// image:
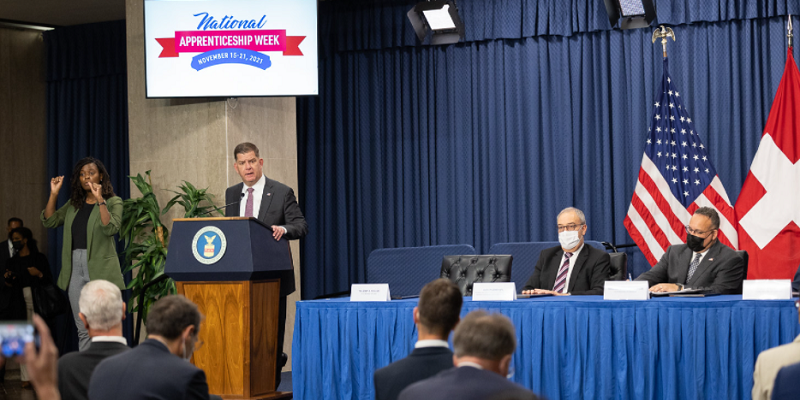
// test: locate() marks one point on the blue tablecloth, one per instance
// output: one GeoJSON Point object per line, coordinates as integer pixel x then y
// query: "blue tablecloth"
{"type": "Point", "coordinates": [579, 347]}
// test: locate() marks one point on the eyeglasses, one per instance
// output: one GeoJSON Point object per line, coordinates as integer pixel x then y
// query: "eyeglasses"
{"type": "Point", "coordinates": [697, 233]}
{"type": "Point", "coordinates": [570, 227]}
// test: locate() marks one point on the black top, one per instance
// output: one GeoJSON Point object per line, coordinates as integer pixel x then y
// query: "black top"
{"type": "Point", "coordinates": [422, 363]}
{"type": "Point", "coordinates": [75, 369]}
{"type": "Point", "coordinates": [79, 225]}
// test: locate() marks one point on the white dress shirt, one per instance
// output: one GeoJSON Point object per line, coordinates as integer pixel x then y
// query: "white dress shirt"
{"type": "Point", "coordinates": [469, 364]}
{"type": "Point", "coordinates": [431, 343]}
{"type": "Point", "coordinates": [571, 265]}
{"type": "Point", "coordinates": [258, 192]}
{"type": "Point", "coordinates": [117, 339]}
{"type": "Point", "coordinates": [10, 248]}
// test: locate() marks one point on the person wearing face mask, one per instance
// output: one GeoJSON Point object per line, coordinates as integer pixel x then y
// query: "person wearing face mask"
{"type": "Point", "coordinates": [91, 218]}
{"type": "Point", "coordinates": [159, 367]}
{"type": "Point", "coordinates": [28, 268]}
{"type": "Point", "coordinates": [573, 267]}
{"type": "Point", "coordinates": [703, 263]}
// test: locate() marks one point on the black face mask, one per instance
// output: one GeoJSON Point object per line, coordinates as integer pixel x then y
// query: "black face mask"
{"type": "Point", "coordinates": [696, 244]}
{"type": "Point", "coordinates": [17, 245]}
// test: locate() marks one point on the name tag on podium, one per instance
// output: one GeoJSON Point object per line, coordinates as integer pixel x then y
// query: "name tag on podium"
{"type": "Point", "coordinates": [767, 289]}
{"type": "Point", "coordinates": [626, 290]}
{"type": "Point", "coordinates": [370, 292]}
{"type": "Point", "coordinates": [494, 291]}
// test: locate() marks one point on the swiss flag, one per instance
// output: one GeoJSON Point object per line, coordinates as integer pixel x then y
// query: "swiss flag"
{"type": "Point", "coordinates": [769, 203]}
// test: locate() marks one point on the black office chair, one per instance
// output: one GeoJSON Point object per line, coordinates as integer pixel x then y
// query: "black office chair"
{"type": "Point", "coordinates": [619, 267]}
{"type": "Point", "coordinates": [745, 259]}
{"type": "Point", "coordinates": [465, 270]}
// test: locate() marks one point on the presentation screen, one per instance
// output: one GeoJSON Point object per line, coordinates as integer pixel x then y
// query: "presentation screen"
{"type": "Point", "coordinates": [230, 48]}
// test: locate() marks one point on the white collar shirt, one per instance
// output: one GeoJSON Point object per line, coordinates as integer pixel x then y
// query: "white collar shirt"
{"type": "Point", "coordinates": [431, 343]}
{"type": "Point", "coordinates": [702, 256]}
{"type": "Point", "coordinates": [113, 339]}
{"type": "Point", "coordinates": [10, 248]}
{"type": "Point", "coordinates": [258, 193]}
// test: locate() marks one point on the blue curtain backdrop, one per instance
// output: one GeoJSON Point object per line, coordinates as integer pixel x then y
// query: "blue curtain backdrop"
{"type": "Point", "coordinates": [87, 115]}
{"type": "Point", "coordinates": [543, 107]}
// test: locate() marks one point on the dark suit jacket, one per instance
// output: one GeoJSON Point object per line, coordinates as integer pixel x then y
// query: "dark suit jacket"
{"type": "Point", "coordinates": [278, 207]}
{"type": "Point", "coordinates": [465, 383]}
{"type": "Point", "coordinates": [421, 364]}
{"type": "Point", "coordinates": [721, 271]}
{"type": "Point", "coordinates": [75, 369]}
{"type": "Point", "coordinates": [148, 372]}
{"type": "Point", "coordinates": [787, 383]}
{"type": "Point", "coordinates": [588, 276]}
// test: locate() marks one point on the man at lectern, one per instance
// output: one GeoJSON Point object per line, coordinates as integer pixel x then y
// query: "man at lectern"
{"type": "Point", "coordinates": [274, 204]}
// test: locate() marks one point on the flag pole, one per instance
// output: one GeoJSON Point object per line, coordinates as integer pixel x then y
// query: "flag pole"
{"type": "Point", "coordinates": [789, 31]}
{"type": "Point", "coordinates": [665, 33]}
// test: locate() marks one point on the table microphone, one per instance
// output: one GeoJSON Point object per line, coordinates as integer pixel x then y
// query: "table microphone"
{"type": "Point", "coordinates": [223, 207]}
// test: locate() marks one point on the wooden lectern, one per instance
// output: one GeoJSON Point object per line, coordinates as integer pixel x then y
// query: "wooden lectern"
{"type": "Point", "coordinates": [228, 267]}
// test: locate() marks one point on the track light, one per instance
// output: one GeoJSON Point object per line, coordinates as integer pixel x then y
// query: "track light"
{"type": "Point", "coordinates": [438, 19]}
{"type": "Point", "coordinates": [631, 14]}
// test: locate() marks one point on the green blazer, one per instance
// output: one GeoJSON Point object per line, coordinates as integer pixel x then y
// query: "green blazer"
{"type": "Point", "coordinates": [101, 248]}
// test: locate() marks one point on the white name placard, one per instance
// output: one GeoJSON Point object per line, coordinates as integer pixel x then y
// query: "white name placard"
{"type": "Point", "coordinates": [767, 289]}
{"type": "Point", "coordinates": [494, 291]}
{"type": "Point", "coordinates": [626, 290]}
{"type": "Point", "coordinates": [369, 292]}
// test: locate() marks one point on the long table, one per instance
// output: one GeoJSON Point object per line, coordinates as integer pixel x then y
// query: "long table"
{"type": "Point", "coordinates": [577, 347]}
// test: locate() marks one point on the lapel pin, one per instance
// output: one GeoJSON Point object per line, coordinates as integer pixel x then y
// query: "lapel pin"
{"type": "Point", "coordinates": [710, 259]}
{"type": "Point", "coordinates": [269, 194]}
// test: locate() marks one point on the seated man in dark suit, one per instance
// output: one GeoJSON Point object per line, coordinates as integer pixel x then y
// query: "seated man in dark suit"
{"type": "Point", "coordinates": [572, 268]}
{"type": "Point", "coordinates": [102, 312]}
{"type": "Point", "coordinates": [787, 383]}
{"type": "Point", "coordinates": [702, 263]}
{"type": "Point", "coordinates": [483, 346]}
{"type": "Point", "coordinates": [157, 369]}
{"type": "Point", "coordinates": [435, 316]}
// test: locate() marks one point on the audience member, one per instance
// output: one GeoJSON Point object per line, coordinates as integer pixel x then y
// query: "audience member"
{"type": "Point", "coordinates": [10, 307]}
{"type": "Point", "coordinates": [787, 383]}
{"type": "Point", "coordinates": [573, 267]}
{"type": "Point", "coordinates": [157, 369]}
{"type": "Point", "coordinates": [102, 312]}
{"type": "Point", "coordinates": [702, 263]}
{"type": "Point", "coordinates": [435, 316]}
{"type": "Point", "coordinates": [42, 364]}
{"type": "Point", "coordinates": [28, 268]}
{"type": "Point", "coordinates": [768, 364]}
{"type": "Point", "coordinates": [483, 346]}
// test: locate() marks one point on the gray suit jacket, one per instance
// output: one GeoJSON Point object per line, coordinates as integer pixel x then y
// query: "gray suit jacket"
{"type": "Point", "coordinates": [721, 271]}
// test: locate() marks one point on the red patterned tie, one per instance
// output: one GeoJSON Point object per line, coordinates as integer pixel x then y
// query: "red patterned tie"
{"type": "Point", "coordinates": [561, 279]}
{"type": "Point", "coordinates": [248, 207]}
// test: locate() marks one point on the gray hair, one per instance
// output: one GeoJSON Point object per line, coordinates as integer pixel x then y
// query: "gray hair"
{"type": "Point", "coordinates": [577, 212]}
{"type": "Point", "coordinates": [711, 214]}
{"type": "Point", "coordinates": [484, 335]}
{"type": "Point", "coordinates": [101, 304]}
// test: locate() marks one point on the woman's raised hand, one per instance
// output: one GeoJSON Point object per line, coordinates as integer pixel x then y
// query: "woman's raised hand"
{"type": "Point", "coordinates": [55, 184]}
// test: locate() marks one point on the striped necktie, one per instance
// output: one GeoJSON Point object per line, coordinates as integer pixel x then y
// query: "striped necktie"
{"type": "Point", "coordinates": [561, 278]}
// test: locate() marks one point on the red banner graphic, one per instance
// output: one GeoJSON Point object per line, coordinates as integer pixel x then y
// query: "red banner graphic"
{"type": "Point", "coordinates": [255, 40]}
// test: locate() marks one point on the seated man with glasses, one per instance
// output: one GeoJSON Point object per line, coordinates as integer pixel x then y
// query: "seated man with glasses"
{"type": "Point", "coordinates": [572, 268]}
{"type": "Point", "coordinates": [702, 263]}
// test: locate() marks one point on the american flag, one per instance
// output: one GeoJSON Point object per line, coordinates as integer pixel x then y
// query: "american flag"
{"type": "Point", "coordinates": [675, 179]}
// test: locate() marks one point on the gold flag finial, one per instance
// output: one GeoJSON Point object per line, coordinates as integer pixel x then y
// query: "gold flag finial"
{"type": "Point", "coordinates": [663, 33]}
